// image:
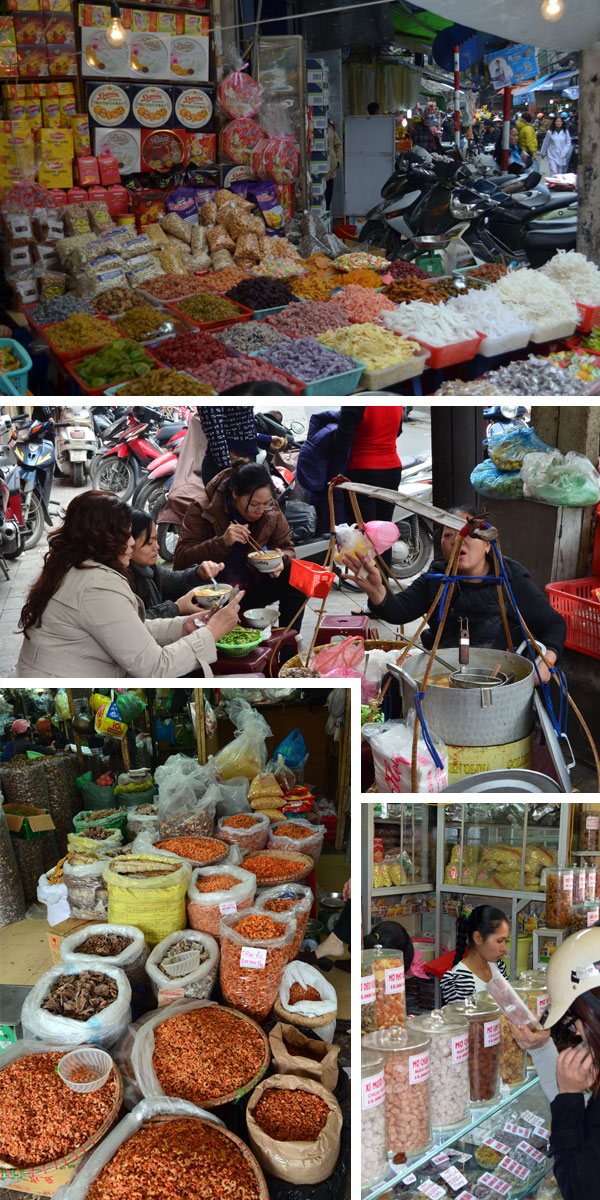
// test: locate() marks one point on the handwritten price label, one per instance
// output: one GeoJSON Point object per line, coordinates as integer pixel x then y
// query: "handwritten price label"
{"type": "Point", "coordinates": [460, 1048]}
{"type": "Point", "coordinates": [253, 957]}
{"type": "Point", "coordinates": [228, 906]}
{"type": "Point", "coordinates": [373, 1091]}
{"type": "Point", "coordinates": [394, 980]}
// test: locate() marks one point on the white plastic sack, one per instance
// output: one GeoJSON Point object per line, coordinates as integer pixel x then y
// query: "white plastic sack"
{"type": "Point", "coordinates": [198, 984]}
{"type": "Point", "coordinates": [146, 1111]}
{"type": "Point", "coordinates": [570, 482]}
{"type": "Point", "coordinates": [312, 844]}
{"type": "Point", "coordinates": [102, 1029]}
{"type": "Point", "coordinates": [234, 796]}
{"type": "Point", "coordinates": [131, 960]}
{"type": "Point", "coordinates": [182, 764]}
{"type": "Point", "coordinates": [391, 745]}
{"type": "Point", "coordinates": [142, 823]}
{"type": "Point", "coordinates": [56, 899]}
{"type": "Point", "coordinates": [299, 972]}
{"type": "Point", "coordinates": [86, 889]}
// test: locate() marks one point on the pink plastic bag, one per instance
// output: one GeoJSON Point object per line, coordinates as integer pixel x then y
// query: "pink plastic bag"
{"type": "Point", "coordinates": [346, 655]}
{"type": "Point", "coordinates": [383, 534]}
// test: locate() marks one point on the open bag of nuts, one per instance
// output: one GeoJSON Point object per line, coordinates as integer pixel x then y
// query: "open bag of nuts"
{"type": "Point", "coordinates": [121, 946]}
{"type": "Point", "coordinates": [294, 1127]}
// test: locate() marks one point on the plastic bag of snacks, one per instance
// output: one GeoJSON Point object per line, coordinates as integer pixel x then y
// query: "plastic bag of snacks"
{"type": "Point", "coordinates": [149, 891]}
{"type": "Point", "coordinates": [488, 480]}
{"type": "Point", "coordinates": [508, 448]}
{"type": "Point", "coordinates": [143, 819]}
{"type": "Point", "coordinates": [185, 806]}
{"type": "Point", "coordinates": [293, 898]}
{"type": "Point", "coordinates": [391, 744]}
{"type": "Point", "coordinates": [107, 945]}
{"type": "Point", "coordinates": [216, 891]}
{"type": "Point", "coordinates": [238, 94]}
{"type": "Point", "coordinates": [101, 998]}
{"type": "Point", "coordinates": [310, 1058]}
{"type": "Point", "coordinates": [247, 830]}
{"type": "Point", "coordinates": [304, 992]}
{"type": "Point", "coordinates": [298, 1137]}
{"type": "Point", "coordinates": [109, 818]}
{"type": "Point", "coordinates": [167, 968]}
{"type": "Point", "coordinates": [247, 753]}
{"type": "Point", "coordinates": [298, 835]}
{"type": "Point", "coordinates": [86, 889]}
{"type": "Point", "coordinates": [570, 481]}
{"type": "Point", "coordinates": [254, 952]}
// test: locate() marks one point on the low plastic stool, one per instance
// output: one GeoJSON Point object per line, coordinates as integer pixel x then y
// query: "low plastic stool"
{"type": "Point", "coordinates": [331, 627]}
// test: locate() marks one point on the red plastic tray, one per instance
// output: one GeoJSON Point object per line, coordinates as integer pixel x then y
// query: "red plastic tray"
{"type": "Point", "coordinates": [589, 317]}
{"type": "Point", "coordinates": [449, 356]}
{"type": "Point", "coordinates": [66, 356]}
{"type": "Point", "coordinates": [71, 366]}
{"type": "Point", "coordinates": [245, 314]}
{"type": "Point", "coordinates": [574, 599]}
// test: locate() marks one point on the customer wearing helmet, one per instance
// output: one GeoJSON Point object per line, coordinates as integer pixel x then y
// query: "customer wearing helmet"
{"type": "Point", "coordinates": [21, 740]}
{"type": "Point", "coordinates": [574, 994]}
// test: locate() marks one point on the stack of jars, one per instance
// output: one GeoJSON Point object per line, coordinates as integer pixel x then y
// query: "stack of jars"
{"type": "Point", "coordinates": [406, 1071]}
{"type": "Point", "coordinates": [559, 897]}
{"type": "Point", "coordinates": [382, 990]}
{"type": "Point", "coordinates": [383, 1012]}
{"type": "Point", "coordinates": [483, 1017]}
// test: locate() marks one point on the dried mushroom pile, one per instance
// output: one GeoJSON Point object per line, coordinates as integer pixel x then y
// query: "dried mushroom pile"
{"type": "Point", "coordinates": [81, 996]}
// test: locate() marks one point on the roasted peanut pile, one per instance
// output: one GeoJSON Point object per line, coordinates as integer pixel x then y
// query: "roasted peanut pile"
{"type": "Point", "coordinates": [177, 1158]}
{"type": "Point", "coordinates": [41, 1119]}
{"type": "Point", "coordinates": [299, 994]}
{"type": "Point", "coordinates": [104, 944]}
{"type": "Point", "coordinates": [261, 929]}
{"type": "Point", "coordinates": [200, 850]}
{"type": "Point", "coordinates": [206, 1053]}
{"type": "Point", "coordinates": [81, 996]}
{"type": "Point", "coordinates": [289, 1116]}
{"type": "Point", "coordinates": [216, 883]}
{"type": "Point", "coordinates": [241, 821]}
{"type": "Point", "coordinates": [272, 870]}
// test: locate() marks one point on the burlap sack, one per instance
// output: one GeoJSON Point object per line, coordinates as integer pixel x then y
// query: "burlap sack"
{"type": "Point", "coordinates": [297, 1162]}
{"type": "Point", "coordinates": [312, 1058]}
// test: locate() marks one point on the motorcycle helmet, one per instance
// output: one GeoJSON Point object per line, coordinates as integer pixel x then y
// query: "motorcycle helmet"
{"type": "Point", "coordinates": [20, 726]}
{"type": "Point", "coordinates": [43, 725]}
{"type": "Point", "coordinates": [573, 970]}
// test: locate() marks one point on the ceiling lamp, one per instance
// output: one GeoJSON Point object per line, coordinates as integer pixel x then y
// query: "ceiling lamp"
{"type": "Point", "coordinates": [552, 10]}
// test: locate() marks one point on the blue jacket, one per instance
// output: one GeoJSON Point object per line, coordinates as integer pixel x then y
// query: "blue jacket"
{"type": "Point", "coordinates": [319, 460]}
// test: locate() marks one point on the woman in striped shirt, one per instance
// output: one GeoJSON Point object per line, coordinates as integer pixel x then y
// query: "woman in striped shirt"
{"type": "Point", "coordinates": [481, 939]}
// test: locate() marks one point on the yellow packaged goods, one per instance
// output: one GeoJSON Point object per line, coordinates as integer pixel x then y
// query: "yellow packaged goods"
{"type": "Point", "coordinates": [56, 174]}
{"type": "Point", "coordinates": [265, 786]}
{"type": "Point", "coordinates": [56, 145]}
{"type": "Point", "coordinates": [371, 345]}
{"type": "Point", "coordinates": [149, 891]}
{"type": "Point", "coordinates": [470, 863]}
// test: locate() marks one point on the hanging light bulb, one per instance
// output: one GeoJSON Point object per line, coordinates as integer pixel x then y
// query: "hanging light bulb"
{"type": "Point", "coordinates": [552, 10]}
{"type": "Point", "coordinates": [115, 34]}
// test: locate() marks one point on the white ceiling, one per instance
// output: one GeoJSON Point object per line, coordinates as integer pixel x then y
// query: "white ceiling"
{"type": "Point", "coordinates": [521, 21]}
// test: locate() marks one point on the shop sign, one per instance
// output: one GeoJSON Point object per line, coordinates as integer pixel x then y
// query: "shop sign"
{"type": "Point", "coordinates": [512, 66]}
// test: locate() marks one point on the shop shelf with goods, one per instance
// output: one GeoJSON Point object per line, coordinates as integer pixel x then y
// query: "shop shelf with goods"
{"type": "Point", "coordinates": [400, 846]}
{"type": "Point", "coordinates": [465, 1141]}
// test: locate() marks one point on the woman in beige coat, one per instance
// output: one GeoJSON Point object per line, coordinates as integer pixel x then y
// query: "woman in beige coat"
{"type": "Point", "coordinates": [82, 618]}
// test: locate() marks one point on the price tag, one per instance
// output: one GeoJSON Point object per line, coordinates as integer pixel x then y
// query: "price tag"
{"type": "Point", "coordinates": [440, 1159]}
{"type": "Point", "coordinates": [394, 980]}
{"type": "Point", "coordinates": [454, 1178]}
{"type": "Point", "coordinates": [515, 1168]}
{"type": "Point", "coordinates": [431, 1189]}
{"type": "Point", "coordinates": [170, 995]}
{"type": "Point", "coordinates": [567, 881]}
{"type": "Point", "coordinates": [531, 1152]}
{"type": "Point", "coordinates": [592, 916]}
{"type": "Point", "coordinates": [498, 1146]}
{"type": "Point", "coordinates": [543, 1132]}
{"type": "Point", "coordinates": [373, 1091]}
{"type": "Point", "coordinates": [465, 1196]}
{"type": "Point", "coordinates": [592, 822]}
{"type": "Point", "coordinates": [491, 1033]}
{"type": "Point", "coordinates": [460, 1048]}
{"type": "Point", "coordinates": [367, 989]}
{"type": "Point", "coordinates": [541, 1005]}
{"type": "Point", "coordinates": [253, 957]}
{"type": "Point", "coordinates": [520, 1131]}
{"type": "Point", "coordinates": [418, 1068]}
{"type": "Point", "coordinates": [228, 906]}
{"type": "Point", "coordinates": [408, 1180]}
{"type": "Point", "coordinates": [501, 1186]}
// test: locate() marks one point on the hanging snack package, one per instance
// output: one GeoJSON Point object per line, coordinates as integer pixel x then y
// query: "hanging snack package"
{"type": "Point", "coordinates": [238, 140]}
{"type": "Point", "coordinates": [238, 94]}
{"type": "Point", "coordinates": [247, 753]}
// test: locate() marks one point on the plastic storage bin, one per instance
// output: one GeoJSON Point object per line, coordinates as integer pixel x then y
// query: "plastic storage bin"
{"type": "Point", "coordinates": [589, 317]}
{"type": "Point", "coordinates": [310, 579]}
{"type": "Point", "coordinates": [577, 602]}
{"type": "Point", "coordinates": [18, 376]}
{"type": "Point", "coordinates": [455, 352]}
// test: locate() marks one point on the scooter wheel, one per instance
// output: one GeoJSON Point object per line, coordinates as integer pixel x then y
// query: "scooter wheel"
{"type": "Point", "coordinates": [116, 475]}
{"type": "Point", "coordinates": [34, 524]}
{"type": "Point", "coordinates": [78, 474]}
{"type": "Point", "coordinates": [168, 537]}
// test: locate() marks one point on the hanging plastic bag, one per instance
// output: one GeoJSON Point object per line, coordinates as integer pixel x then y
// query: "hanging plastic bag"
{"type": "Point", "coordinates": [238, 94]}
{"type": "Point", "coordinates": [234, 797]}
{"type": "Point", "coordinates": [391, 745]}
{"type": "Point", "coordinates": [569, 482]}
{"type": "Point", "coordinates": [304, 977]}
{"type": "Point", "coordinates": [246, 755]}
{"type": "Point", "coordinates": [508, 448]}
{"type": "Point", "coordinates": [108, 721]}
{"type": "Point", "coordinates": [102, 1029]}
{"type": "Point", "coordinates": [293, 750]}
{"type": "Point", "coordinates": [352, 540]}
{"type": "Point", "coordinates": [198, 983]}
{"type": "Point", "coordinates": [487, 480]}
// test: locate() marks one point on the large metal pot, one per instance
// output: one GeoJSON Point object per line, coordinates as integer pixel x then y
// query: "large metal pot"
{"type": "Point", "coordinates": [479, 716]}
{"type": "Point", "coordinates": [506, 781]}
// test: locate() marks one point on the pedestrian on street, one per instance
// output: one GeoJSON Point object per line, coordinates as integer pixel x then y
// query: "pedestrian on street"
{"type": "Point", "coordinates": [558, 147]}
{"type": "Point", "coordinates": [336, 151]}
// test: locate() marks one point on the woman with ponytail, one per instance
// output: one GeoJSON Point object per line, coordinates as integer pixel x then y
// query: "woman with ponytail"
{"type": "Point", "coordinates": [480, 947]}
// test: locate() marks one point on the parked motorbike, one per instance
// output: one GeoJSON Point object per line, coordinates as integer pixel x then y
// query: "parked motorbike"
{"type": "Point", "coordinates": [131, 444]}
{"type": "Point", "coordinates": [76, 443]}
{"type": "Point", "coordinates": [12, 542]}
{"type": "Point", "coordinates": [33, 449]}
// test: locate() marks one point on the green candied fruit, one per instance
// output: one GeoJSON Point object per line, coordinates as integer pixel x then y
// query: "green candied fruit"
{"type": "Point", "coordinates": [123, 359]}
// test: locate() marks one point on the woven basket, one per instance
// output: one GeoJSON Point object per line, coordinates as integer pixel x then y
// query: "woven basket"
{"type": "Point", "coordinates": [370, 644]}
{"type": "Point", "coordinates": [294, 1018]}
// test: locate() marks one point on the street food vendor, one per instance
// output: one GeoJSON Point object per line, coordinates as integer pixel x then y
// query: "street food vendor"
{"type": "Point", "coordinates": [475, 598]}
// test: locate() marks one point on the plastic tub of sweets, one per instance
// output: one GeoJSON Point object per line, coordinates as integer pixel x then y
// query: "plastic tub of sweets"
{"type": "Point", "coordinates": [243, 314]}
{"type": "Point", "coordinates": [17, 376]}
{"type": "Point", "coordinates": [452, 354]}
{"type": "Point", "coordinates": [409, 368]}
{"type": "Point", "coordinates": [492, 346]}
{"type": "Point", "coordinates": [548, 332]}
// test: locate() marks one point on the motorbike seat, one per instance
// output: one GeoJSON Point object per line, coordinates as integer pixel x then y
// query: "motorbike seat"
{"type": "Point", "coordinates": [540, 204]}
{"type": "Point", "coordinates": [166, 432]}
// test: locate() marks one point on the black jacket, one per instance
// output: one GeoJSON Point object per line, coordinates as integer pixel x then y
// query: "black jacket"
{"type": "Point", "coordinates": [576, 1146]}
{"type": "Point", "coordinates": [479, 603]}
{"type": "Point", "coordinates": [159, 588]}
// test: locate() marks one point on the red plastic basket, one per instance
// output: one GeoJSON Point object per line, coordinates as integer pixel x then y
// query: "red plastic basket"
{"type": "Point", "coordinates": [451, 355]}
{"type": "Point", "coordinates": [589, 317]}
{"type": "Point", "coordinates": [244, 314]}
{"type": "Point", "coordinates": [575, 600]}
{"type": "Point", "coordinates": [310, 579]}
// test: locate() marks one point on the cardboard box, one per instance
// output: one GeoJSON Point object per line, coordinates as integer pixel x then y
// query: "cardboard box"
{"type": "Point", "coordinates": [151, 105]}
{"type": "Point", "coordinates": [189, 58]}
{"type": "Point", "coordinates": [29, 29]}
{"type": "Point", "coordinates": [28, 820]}
{"type": "Point", "coordinates": [62, 60]}
{"type": "Point", "coordinates": [57, 935]}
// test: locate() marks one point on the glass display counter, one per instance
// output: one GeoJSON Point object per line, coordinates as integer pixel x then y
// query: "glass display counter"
{"type": "Point", "coordinates": [468, 1151]}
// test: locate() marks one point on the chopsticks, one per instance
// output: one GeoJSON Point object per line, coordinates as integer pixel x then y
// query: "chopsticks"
{"type": "Point", "coordinates": [255, 544]}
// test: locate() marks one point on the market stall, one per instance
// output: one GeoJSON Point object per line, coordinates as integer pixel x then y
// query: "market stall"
{"type": "Point", "coordinates": [448, 1100]}
{"type": "Point", "coordinates": [186, 842]}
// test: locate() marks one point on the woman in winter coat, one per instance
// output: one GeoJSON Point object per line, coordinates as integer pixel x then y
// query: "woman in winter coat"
{"type": "Point", "coordinates": [164, 593]}
{"type": "Point", "coordinates": [473, 598]}
{"type": "Point", "coordinates": [82, 619]}
{"type": "Point", "coordinates": [239, 509]}
{"type": "Point", "coordinates": [558, 147]}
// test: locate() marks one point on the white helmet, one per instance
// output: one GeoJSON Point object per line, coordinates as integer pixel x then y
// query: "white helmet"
{"type": "Point", "coordinates": [573, 970]}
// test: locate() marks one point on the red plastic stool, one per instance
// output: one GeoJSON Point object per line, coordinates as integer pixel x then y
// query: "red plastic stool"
{"type": "Point", "coordinates": [332, 627]}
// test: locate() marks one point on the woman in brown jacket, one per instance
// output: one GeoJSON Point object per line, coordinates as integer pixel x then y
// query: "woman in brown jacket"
{"type": "Point", "coordinates": [239, 504]}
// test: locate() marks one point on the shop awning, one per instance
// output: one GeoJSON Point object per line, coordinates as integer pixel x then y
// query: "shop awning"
{"type": "Point", "coordinates": [516, 22]}
{"type": "Point", "coordinates": [547, 83]}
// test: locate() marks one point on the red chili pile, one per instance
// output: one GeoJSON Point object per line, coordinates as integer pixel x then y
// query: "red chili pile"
{"type": "Point", "coordinates": [183, 1157]}
{"type": "Point", "coordinates": [207, 1053]}
{"type": "Point", "coordinates": [272, 870]}
{"type": "Point", "coordinates": [216, 883]}
{"type": "Point", "coordinates": [41, 1119]}
{"type": "Point", "coordinates": [241, 821]}
{"type": "Point", "coordinates": [291, 1116]}
{"type": "Point", "coordinates": [191, 350]}
{"type": "Point", "coordinates": [299, 994]}
{"type": "Point", "coordinates": [203, 851]}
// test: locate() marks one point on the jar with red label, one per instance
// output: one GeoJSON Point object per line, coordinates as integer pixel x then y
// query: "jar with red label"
{"type": "Point", "coordinates": [590, 838]}
{"type": "Point", "coordinates": [407, 1067]}
{"type": "Point", "coordinates": [373, 1160]}
{"type": "Point", "coordinates": [390, 999]}
{"type": "Point", "coordinates": [591, 875]}
{"type": "Point", "coordinates": [483, 1016]}
{"type": "Point", "coordinates": [367, 993]}
{"type": "Point", "coordinates": [559, 897]}
{"type": "Point", "coordinates": [449, 1056]}
{"type": "Point", "coordinates": [579, 874]}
